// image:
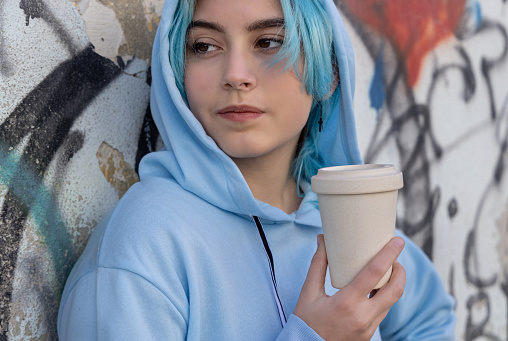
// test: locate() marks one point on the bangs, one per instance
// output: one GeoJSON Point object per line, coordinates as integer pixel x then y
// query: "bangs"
{"type": "Point", "coordinates": [308, 35]}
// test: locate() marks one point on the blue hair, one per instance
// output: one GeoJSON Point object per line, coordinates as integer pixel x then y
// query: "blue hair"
{"type": "Point", "coordinates": [308, 35]}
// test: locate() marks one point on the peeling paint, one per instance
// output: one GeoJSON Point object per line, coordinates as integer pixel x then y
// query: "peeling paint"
{"type": "Point", "coordinates": [117, 172]}
{"type": "Point", "coordinates": [104, 31]}
{"type": "Point", "coordinates": [124, 28]}
{"type": "Point", "coordinates": [131, 16]}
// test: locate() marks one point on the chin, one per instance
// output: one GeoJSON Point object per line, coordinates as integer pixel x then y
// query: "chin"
{"type": "Point", "coordinates": [244, 153]}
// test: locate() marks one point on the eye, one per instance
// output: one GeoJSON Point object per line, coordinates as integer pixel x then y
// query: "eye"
{"type": "Point", "coordinates": [271, 43]}
{"type": "Point", "coordinates": [202, 48]}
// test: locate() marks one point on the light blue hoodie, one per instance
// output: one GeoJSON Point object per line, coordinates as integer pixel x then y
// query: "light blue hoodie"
{"type": "Point", "coordinates": [180, 257]}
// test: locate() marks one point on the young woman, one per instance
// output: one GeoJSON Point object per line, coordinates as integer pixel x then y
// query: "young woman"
{"type": "Point", "coordinates": [218, 240]}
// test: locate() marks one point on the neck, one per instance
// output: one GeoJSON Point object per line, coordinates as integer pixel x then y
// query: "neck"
{"type": "Point", "coordinates": [269, 178]}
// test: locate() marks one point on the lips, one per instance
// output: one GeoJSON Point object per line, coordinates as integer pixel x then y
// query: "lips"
{"type": "Point", "coordinates": [240, 113]}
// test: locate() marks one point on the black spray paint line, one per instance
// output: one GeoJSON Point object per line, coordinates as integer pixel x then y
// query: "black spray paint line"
{"type": "Point", "coordinates": [501, 160]}
{"type": "Point", "coordinates": [504, 288]}
{"type": "Point", "coordinates": [451, 282]}
{"type": "Point", "coordinates": [470, 28]}
{"type": "Point", "coordinates": [471, 252]}
{"type": "Point", "coordinates": [5, 66]}
{"type": "Point", "coordinates": [487, 65]}
{"type": "Point", "coordinates": [46, 114]}
{"type": "Point", "coordinates": [10, 219]}
{"type": "Point", "coordinates": [59, 97]}
{"type": "Point", "coordinates": [476, 330]}
{"type": "Point", "coordinates": [453, 208]}
{"type": "Point", "coordinates": [469, 90]}
{"type": "Point", "coordinates": [422, 116]}
{"type": "Point", "coordinates": [471, 261]}
{"type": "Point", "coordinates": [397, 82]}
{"type": "Point", "coordinates": [438, 75]}
{"type": "Point", "coordinates": [38, 9]}
{"type": "Point", "coordinates": [465, 69]}
{"type": "Point", "coordinates": [502, 115]}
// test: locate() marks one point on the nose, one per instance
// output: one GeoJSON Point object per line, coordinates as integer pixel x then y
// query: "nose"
{"type": "Point", "coordinates": [239, 71]}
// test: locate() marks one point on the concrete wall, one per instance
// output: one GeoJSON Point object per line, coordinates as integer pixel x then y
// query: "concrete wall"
{"type": "Point", "coordinates": [74, 91]}
{"type": "Point", "coordinates": [431, 98]}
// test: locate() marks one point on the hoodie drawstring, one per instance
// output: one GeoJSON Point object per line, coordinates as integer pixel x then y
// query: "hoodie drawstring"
{"type": "Point", "coordinates": [282, 315]}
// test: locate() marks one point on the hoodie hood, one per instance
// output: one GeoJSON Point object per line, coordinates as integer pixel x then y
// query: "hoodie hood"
{"type": "Point", "coordinates": [192, 158]}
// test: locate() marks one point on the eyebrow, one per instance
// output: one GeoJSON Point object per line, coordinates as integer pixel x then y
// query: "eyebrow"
{"type": "Point", "coordinates": [256, 25]}
{"type": "Point", "coordinates": [207, 24]}
{"type": "Point", "coordinates": [266, 23]}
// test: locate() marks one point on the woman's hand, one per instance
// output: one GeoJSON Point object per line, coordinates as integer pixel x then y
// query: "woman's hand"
{"type": "Point", "coordinates": [350, 314]}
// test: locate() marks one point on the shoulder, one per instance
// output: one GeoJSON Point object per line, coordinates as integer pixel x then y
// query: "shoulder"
{"type": "Point", "coordinates": [152, 208]}
{"type": "Point", "coordinates": [425, 310]}
{"type": "Point", "coordinates": [149, 223]}
{"type": "Point", "coordinates": [148, 197]}
{"type": "Point", "coordinates": [148, 226]}
{"type": "Point", "coordinates": [141, 235]}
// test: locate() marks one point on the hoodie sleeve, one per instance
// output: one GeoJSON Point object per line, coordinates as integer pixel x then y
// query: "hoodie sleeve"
{"type": "Point", "coordinates": [425, 311]}
{"type": "Point", "coordinates": [116, 304]}
{"type": "Point", "coordinates": [297, 330]}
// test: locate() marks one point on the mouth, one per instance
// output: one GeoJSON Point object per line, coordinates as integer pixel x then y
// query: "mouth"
{"type": "Point", "coordinates": [240, 113]}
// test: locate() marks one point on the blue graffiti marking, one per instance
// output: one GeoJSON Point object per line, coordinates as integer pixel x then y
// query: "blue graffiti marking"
{"type": "Point", "coordinates": [44, 212]}
{"type": "Point", "coordinates": [377, 92]}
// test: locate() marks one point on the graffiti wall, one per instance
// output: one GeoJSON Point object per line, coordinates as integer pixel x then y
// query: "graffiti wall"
{"type": "Point", "coordinates": [431, 97]}
{"type": "Point", "coordinates": [74, 91]}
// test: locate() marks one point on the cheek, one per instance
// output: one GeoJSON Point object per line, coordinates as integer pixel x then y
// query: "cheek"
{"type": "Point", "coordinates": [288, 85]}
{"type": "Point", "coordinates": [197, 86]}
{"type": "Point", "coordinates": [300, 109]}
{"type": "Point", "coordinates": [297, 101]}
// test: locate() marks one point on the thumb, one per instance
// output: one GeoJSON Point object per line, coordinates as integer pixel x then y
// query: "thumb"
{"type": "Point", "coordinates": [315, 281]}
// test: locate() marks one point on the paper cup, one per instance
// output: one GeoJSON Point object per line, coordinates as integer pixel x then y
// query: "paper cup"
{"type": "Point", "coordinates": [358, 210]}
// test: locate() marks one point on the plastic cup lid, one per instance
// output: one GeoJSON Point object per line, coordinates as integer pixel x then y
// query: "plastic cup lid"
{"type": "Point", "coordinates": [357, 179]}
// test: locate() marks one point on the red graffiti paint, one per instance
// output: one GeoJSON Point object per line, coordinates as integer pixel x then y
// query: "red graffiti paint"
{"type": "Point", "coordinates": [414, 27]}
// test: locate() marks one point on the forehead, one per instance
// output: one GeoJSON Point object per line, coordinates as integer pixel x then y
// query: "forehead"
{"type": "Point", "coordinates": [237, 10]}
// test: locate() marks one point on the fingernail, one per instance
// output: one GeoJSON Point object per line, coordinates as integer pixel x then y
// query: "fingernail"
{"type": "Point", "coordinates": [318, 241]}
{"type": "Point", "coordinates": [399, 242]}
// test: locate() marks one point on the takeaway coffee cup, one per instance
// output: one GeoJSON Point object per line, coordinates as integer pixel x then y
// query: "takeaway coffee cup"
{"type": "Point", "coordinates": [358, 209]}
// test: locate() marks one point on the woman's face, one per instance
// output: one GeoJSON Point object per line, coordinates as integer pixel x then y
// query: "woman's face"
{"type": "Point", "coordinates": [249, 108]}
